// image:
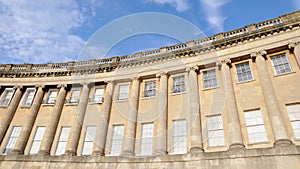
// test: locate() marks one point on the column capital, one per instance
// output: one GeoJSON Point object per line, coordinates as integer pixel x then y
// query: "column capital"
{"type": "Point", "coordinates": [62, 86]}
{"type": "Point", "coordinates": [110, 81]}
{"type": "Point", "coordinates": [162, 74]}
{"type": "Point", "coordinates": [191, 68]}
{"type": "Point", "coordinates": [40, 85]}
{"type": "Point", "coordinates": [292, 45]}
{"type": "Point", "coordinates": [137, 77]}
{"type": "Point", "coordinates": [18, 87]}
{"type": "Point", "coordinates": [226, 61]}
{"type": "Point", "coordinates": [263, 53]}
{"type": "Point", "coordinates": [85, 83]}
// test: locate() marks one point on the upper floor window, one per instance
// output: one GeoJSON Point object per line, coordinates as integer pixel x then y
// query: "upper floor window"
{"type": "Point", "coordinates": [74, 97]}
{"type": "Point", "coordinates": [6, 97]}
{"type": "Point", "coordinates": [150, 89]}
{"type": "Point", "coordinates": [98, 95]}
{"type": "Point", "coordinates": [28, 97]}
{"type": "Point", "coordinates": [179, 136]}
{"type": "Point", "coordinates": [116, 141]}
{"type": "Point", "coordinates": [51, 97]}
{"type": "Point", "coordinates": [255, 126]}
{"type": "Point", "coordinates": [280, 64]}
{"type": "Point", "coordinates": [88, 141]}
{"type": "Point", "coordinates": [12, 139]}
{"type": "Point", "coordinates": [39, 133]}
{"type": "Point", "coordinates": [146, 139]}
{"type": "Point", "coordinates": [62, 140]}
{"type": "Point", "coordinates": [243, 72]}
{"type": "Point", "coordinates": [178, 84]}
{"type": "Point", "coordinates": [294, 115]}
{"type": "Point", "coordinates": [215, 132]}
{"type": "Point", "coordinates": [209, 79]}
{"type": "Point", "coordinates": [123, 92]}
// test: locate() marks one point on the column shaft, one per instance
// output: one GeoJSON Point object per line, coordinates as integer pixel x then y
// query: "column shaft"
{"type": "Point", "coordinates": [78, 121]}
{"type": "Point", "coordinates": [26, 129]}
{"type": "Point", "coordinates": [101, 135]}
{"type": "Point", "coordinates": [10, 112]}
{"type": "Point", "coordinates": [129, 138]}
{"type": "Point", "coordinates": [234, 129]}
{"type": "Point", "coordinates": [271, 102]}
{"type": "Point", "coordinates": [297, 53]}
{"type": "Point", "coordinates": [53, 122]}
{"type": "Point", "coordinates": [161, 138]}
{"type": "Point", "coordinates": [194, 112]}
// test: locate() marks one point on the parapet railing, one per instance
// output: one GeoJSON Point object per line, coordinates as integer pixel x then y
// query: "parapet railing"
{"type": "Point", "coordinates": [161, 52]}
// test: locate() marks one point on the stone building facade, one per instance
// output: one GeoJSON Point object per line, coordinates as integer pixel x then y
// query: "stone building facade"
{"type": "Point", "coordinates": [231, 100]}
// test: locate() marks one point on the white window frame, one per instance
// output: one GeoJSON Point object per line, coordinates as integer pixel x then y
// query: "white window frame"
{"type": "Point", "coordinates": [88, 141]}
{"type": "Point", "coordinates": [26, 101]}
{"type": "Point", "coordinates": [215, 131]}
{"type": "Point", "coordinates": [4, 95]}
{"type": "Point", "coordinates": [37, 139]}
{"type": "Point", "coordinates": [150, 89]}
{"type": "Point", "coordinates": [71, 98]}
{"type": "Point", "coordinates": [116, 140]}
{"type": "Point", "coordinates": [255, 126]}
{"type": "Point", "coordinates": [49, 97]}
{"type": "Point", "coordinates": [210, 79]}
{"type": "Point", "coordinates": [12, 139]}
{"type": "Point", "coordinates": [294, 116]}
{"type": "Point", "coordinates": [178, 86]}
{"type": "Point", "coordinates": [179, 137]}
{"type": "Point", "coordinates": [123, 96]}
{"type": "Point", "coordinates": [287, 66]}
{"type": "Point", "coordinates": [244, 73]}
{"type": "Point", "coordinates": [99, 96]}
{"type": "Point", "coordinates": [146, 139]}
{"type": "Point", "coordinates": [62, 142]}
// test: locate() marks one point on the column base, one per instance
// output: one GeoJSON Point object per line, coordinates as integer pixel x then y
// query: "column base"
{"type": "Point", "coordinates": [16, 152]}
{"type": "Point", "coordinates": [70, 153]}
{"type": "Point", "coordinates": [127, 153]}
{"type": "Point", "coordinates": [43, 152]}
{"type": "Point", "coordinates": [160, 152]}
{"type": "Point", "coordinates": [282, 142]}
{"type": "Point", "coordinates": [99, 153]}
{"type": "Point", "coordinates": [196, 150]}
{"type": "Point", "coordinates": [237, 146]}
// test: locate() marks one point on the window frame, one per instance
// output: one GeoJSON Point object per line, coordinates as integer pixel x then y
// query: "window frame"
{"type": "Point", "coordinates": [251, 136]}
{"type": "Point", "coordinates": [151, 91]}
{"type": "Point", "coordinates": [70, 100]}
{"type": "Point", "coordinates": [294, 120]}
{"type": "Point", "coordinates": [182, 137]}
{"type": "Point", "coordinates": [11, 140]}
{"type": "Point", "coordinates": [146, 143]}
{"type": "Point", "coordinates": [275, 66]}
{"type": "Point", "coordinates": [36, 140]}
{"type": "Point", "coordinates": [93, 100]}
{"type": "Point", "coordinates": [49, 94]}
{"type": "Point", "coordinates": [26, 95]}
{"type": "Point", "coordinates": [178, 88]}
{"type": "Point", "coordinates": [88, 139]}
{"type": "Point", "coordinates": [118, 139]}
{"type": "Point", "coordinates": [240, 74]}
{"type": "Point", "coordinates": [211, 138]}
{"type": "Point", "coordinates": [3, 97]}
{"type": "Point", "coordinates": [210, 79]}
{"type": "Point", "coordinates": [121, 96]}
{"type": "Point", "coordinates": [60, 141]}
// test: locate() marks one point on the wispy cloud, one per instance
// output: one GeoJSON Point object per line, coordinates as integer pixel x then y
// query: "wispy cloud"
{"type": "Point", "coordinates": [40, 31]}
{"type": "Point", "coordinates": [214, 17]}
{"type": "Point", "coordinates": [179, 5]}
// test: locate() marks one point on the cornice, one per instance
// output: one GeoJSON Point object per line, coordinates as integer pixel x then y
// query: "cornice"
{"type": "Point", "coordinates": [192, 48]}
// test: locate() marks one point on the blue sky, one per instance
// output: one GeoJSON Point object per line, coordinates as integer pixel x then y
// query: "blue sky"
{"type": "Point", "coordinates": [37, 31]}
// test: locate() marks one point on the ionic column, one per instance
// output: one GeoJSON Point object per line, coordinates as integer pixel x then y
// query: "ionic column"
{"type": "Point", "coordinates": [53, 121]}
{"type": "Point", "coordinates": [76, 127]}
{"type": "Point", "coordinates": [129, 138]}
{"type": "Point", "coordinates": [274, 112]}
{"type": "Point", "coordinates": [101, 135]}
{"type": "Point", "coordinates": [194, 111]}
{"type": "Point", "coordinates": [26, 129]}
{"type": "Point", "coordinates": [234, 129]}
{"type": "Point", "coordinates": [295, 48]}
{"type": "Point", "coordinates": [161, 137]}
{"type": "Point", "coordinates": [10, 111]}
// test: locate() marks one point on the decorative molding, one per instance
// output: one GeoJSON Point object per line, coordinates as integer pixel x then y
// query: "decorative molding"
{"type": "Point", "coordinates": [158, 75]}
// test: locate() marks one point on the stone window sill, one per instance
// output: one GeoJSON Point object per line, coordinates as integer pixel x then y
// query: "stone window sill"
{"type": "Point", "coordinates": [210, 88]}
{"type": "Point", "coordinates": [179, 93]}
{"type": "Point", "coordinates": [247, 81]}
{"type": "Point", "coordinates": [71, 104]}
{"type": "Point", "coordinates": [48, 104]}
{"type": "Point", "coordinates": [95, 103]}
{"type": "Point", "coordinates": [147, 98]}
{"type": "Point", "coordinates": [120, 101]}
{"type": "Point", "coordinates": [283, 74]}
{"type": "Point", "coordinates": [258, 143]}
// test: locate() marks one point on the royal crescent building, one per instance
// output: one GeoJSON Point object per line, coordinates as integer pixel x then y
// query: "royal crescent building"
{"type": "Point", "coordinates": [231, 100]}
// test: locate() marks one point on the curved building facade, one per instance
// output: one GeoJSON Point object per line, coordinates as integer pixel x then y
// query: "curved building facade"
{"type": "Point", "coordinates": [231, 100]}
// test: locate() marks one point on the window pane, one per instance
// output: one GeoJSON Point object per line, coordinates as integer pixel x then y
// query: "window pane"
{"type": "Point", "coordinates": [6, 96]}
{"type": "Point", "coordinates": [74, 96]}
{"type": "Point", "coordinates": [215, 133]}
{"type": "Point", "coordinates": [255, 126]}
{"type": "Point", "coordinates": [209, 79]}
{"type": "Point", "coordinates": [280, 64]}
{"type": "Point", "coordinates": [146, 139]}
{"type": "Point", "coordinates": [89, 140]}
{"type": "Point", "coordinates": [179, 136]}
{"type": "Point", "coordinates": [150, 89]}
{"type": "Point", "coordinates": [51, 96]}
{"type": "Point", "coordinates": [62, 141]}
{"type": "Point", "coordinates": [243, 72]}
{"type": "Point", "coordinates": [117, 137]}
{"type": "Point", "coordinates": [178, 84]}
{"type": "Point", "coordinates": [98, 95]}
{"type": "Point", "coordinates": [12, 139]}
{"type": "Point", "coordinates": [37, 140]}
{"type": "Point", "coordinates": [123, 92]}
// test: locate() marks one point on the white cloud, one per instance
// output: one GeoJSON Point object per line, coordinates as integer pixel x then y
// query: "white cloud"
{"type": "Point", "coordinates": [40, 31]}
{"type": "Point", "coordinates": [179, 5]}
{"type": "Point", "coordinates": [214, 17]}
